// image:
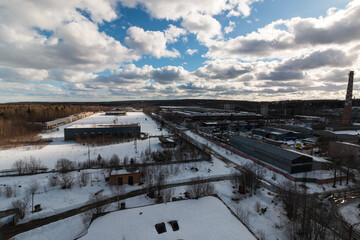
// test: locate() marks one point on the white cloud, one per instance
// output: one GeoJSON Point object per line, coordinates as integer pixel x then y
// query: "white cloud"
{"type": "Point", "coordinates": [191, 51]}
{"type": "Point", "coordinates": [173, 33]}
{"type": "Point", "coordinates": [284, 37]}
{"type": "Point", "coordinates": [55, 36]}
{"type": "Point", "coordinates": [174, 10]}
{"type": "Point", "coordinates": [230, 28]}
{"type": "Point", "coordinates": [149, 42]}
{"type": "Point", "coordinates": [204, 26]}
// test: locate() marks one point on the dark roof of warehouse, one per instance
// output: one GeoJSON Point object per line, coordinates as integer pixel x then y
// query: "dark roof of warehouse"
{"type": "Point", "coordinates": [267, 148]}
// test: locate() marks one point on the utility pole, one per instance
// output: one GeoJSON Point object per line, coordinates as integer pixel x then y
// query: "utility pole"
{"type": "Point", "coordinates": [89, 156]}
{"type": "Point", "coordinates": [32, 202]}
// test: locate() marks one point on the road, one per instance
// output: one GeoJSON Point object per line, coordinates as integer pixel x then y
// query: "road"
{"type": "Point", "coordinates": [10, 231]}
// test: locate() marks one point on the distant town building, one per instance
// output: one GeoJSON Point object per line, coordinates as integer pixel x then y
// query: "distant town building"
{"type": "Point", "coordinates": [277, 134]}
{"type": "Point", "coordinates": [95, 130]}
{"type": "Point", "coordinates": [264, 110]}
{"type": "Point", "coordinates": [129, 176]}
{"type": "Point", "coordinates": [116, 113]}
{"type": "Point", "coordinates": [289, 161]}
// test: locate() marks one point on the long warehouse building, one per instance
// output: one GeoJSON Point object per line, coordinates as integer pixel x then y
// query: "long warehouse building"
{"type": "Point", "coordinates": [95, 130]}
{"type": "Point", "coordinates": [289, 161]}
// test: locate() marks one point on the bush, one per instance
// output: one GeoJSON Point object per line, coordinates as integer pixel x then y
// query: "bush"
{"type": "Point", "coordinates": [21, 204]}
{"type": "Point", "coordinates": [8, 191]}
{"type": "Point", "coordinates": [66, 181]}
{"type": "Point", "coordinates": [53, 181]}
{"type": "Point", "coordinates": [200, 190]}
{"type": "Point", "coordinates": [83, 178]}
{"type": "Point", "coordinates": [64, 165]}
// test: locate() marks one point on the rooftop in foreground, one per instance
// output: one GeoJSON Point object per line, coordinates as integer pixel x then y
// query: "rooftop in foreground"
{"type": "Point", "coordinates": [203, 219]}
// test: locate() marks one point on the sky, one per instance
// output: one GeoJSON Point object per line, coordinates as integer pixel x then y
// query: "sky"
{"type": "Point", "coordinates": [113, 50]}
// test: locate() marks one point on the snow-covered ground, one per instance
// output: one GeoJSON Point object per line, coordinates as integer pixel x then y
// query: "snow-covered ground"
{"type": "Point", "coordinates": [79, 153]}
{"type": "Point", "coordinates": [270, 224]}
{"type": "Point", "coordinates": [205, 218]}
{"type": "Point", "coordinates": [75, 226]}
{"type": "Point", "coordinates": [270, 176]}
{"type": "Point", "coordinates": [351, 212]}
{"type": "Point", "coordinates": [54, 200]}
{"type": "Point", "coordinates": [349, 132]}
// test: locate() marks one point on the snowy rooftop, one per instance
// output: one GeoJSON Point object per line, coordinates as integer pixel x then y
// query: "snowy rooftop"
{"type": "Point", "coordinates": [103, 125]}
{"type": "Point", "coordinates": [206, 218]}
{"type": "Point", "coordinates": [124, 171]}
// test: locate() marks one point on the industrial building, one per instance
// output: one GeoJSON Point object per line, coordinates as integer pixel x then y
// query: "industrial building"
{"type": "Point", "coordinates": [289, 161]}
{"type": "Point", "coordinates": [115, 113]}
{"type": "Point", "coordinates": [277, 134]}
{"type": "Point", "coordinates": [95, 130]}
{"type": "Point", "coordinates": [61, 121]}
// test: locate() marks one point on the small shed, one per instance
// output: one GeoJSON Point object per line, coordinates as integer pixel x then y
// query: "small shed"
{"type": "Point", "coordinates": [167, 142]}
{"type": "Point", "coordinates": [129, 176]}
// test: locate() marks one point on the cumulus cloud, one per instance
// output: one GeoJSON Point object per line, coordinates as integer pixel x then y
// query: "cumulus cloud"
{"type": "Point", "coordinates": [223, 70]}
{"type": "Point", "coordinates": [57, 36]}
{"type": "Point", "coordinates": [283, 37]}
{"type": "Point", "coordinates": [204, 26]}
{"type": "Point", "coordinates": [174, 10]}
{"type": "Point", "coordinates": [197, 16]}
{"type": "Point", "coordinates": [316, 59]}
{"type": "Point", "coordinates": [173, 33]}
{"type": "Point", "coordinates": [149, 42]}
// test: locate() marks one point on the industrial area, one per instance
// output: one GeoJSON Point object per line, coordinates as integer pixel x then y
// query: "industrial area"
{"type": "Point", "coordinates": [256, 169]}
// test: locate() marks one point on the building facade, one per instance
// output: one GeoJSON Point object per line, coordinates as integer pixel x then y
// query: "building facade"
{"type": "Point", "coordinates": [289, 161]}
{"type": "Point", "coordinates": [129, 176]}
{"type": "Point", "coordinates": [96, 130]}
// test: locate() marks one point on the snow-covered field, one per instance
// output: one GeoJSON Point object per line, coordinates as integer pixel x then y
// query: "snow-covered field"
{"type": "Point", "coordinates": [205, 218]}
{"type": "Point", "coordinates": [79, 153]}
{"type": "Point", "coordinates": [54, 200]}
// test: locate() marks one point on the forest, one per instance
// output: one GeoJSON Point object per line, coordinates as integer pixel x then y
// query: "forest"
{"type": "Point", "coordinates": [21, 122]}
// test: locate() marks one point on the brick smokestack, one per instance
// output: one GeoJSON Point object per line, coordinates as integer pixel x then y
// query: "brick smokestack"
{"type": "Point", "coordinates": [348, 101]}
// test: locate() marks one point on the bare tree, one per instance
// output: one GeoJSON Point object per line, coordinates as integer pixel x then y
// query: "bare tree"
{"type": "Point", "coordinates": [96, 199]}
{"type": "Point", "coordinates": [64, 165]}
{"type": "Point", "coordinates": [83, 178]}
{"type": "Point", "coordinates": [21, 205]}
{"type": "Point", "coordinates": [200, 190]}
{"type": "Point", "coordinates": [20, 166]}
{"type": "Point", "coordinates": [114, 161]}
{"type": "Point", "coordinates": [31, 190]}
{"type": "Point", "coordinates": [117, 190]}
{"type": "Point", "coordinates": [66, 180]}
{"type": "Point", "coordinates": [33, 187]}
{"type": "Point", "coordinates": [34, 165]}
{"type": "Point", "coordinates": [8, 191]}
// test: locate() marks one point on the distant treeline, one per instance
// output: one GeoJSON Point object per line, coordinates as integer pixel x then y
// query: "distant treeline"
{"type": "Point", "coordinates": [17, 120]}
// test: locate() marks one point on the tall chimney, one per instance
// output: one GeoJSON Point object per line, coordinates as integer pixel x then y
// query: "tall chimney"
{"type": "Point", "coordinates": [348, 101]}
